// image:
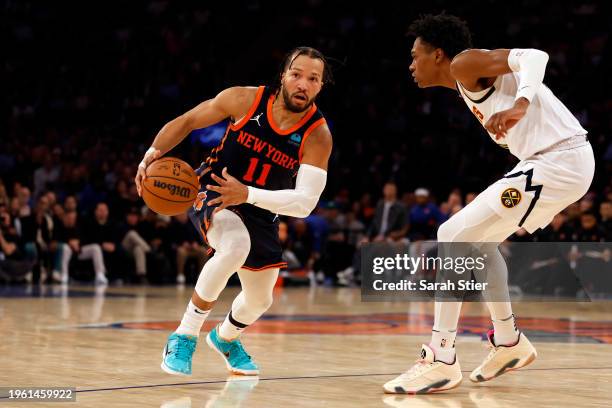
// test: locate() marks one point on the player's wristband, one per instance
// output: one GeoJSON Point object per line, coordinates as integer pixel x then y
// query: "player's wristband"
{"type": "Point", "coordinates": [147, 157]}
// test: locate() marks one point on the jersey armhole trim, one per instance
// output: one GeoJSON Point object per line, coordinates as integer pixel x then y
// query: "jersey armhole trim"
{"type": "Point", "coordinates": [238, 125]}
{"type": "Point", "coordinates": [480, 100]}
{"type": "Point", "coordinates": [311, 129]}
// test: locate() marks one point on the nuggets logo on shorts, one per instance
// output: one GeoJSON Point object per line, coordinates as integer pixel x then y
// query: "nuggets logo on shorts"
{"type": "Point", "coordinates": [511, 197]}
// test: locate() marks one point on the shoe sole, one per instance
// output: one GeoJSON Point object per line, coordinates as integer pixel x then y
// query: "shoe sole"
{"type": "Point", "coordinates": [168, 369]}
{"type": "Point", "coordinates": [455, 385]}
{"type": "Point", "coordinates": [529, 360]}
{"type": "Point", "coordinates": [227, 364]}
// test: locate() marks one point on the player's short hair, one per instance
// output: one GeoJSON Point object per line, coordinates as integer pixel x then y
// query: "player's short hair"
{"type": "Point", "coordinates": [290, 57]}
{"type": "Point", "coordinates": [444, 31]}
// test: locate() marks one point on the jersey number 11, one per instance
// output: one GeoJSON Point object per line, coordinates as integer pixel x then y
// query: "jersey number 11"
{"type": "Point", "coordinates": [265, 170]}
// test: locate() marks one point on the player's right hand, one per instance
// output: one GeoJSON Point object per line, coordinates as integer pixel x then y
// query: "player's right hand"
{"type": "Point", "coordinates": [150, 156]}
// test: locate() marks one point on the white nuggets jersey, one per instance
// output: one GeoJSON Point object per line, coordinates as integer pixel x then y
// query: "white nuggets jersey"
{"type": "Point", "coordinates": [546, 122]}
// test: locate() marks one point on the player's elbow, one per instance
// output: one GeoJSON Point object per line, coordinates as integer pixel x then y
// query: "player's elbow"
{"type": "Point", "coordinates": [544, 57]}
{"type": "Point", "coordinates": [305, 209]}
{"type": "Point", "coordinates": [300, 207]}
{"type": "Point", "coordinates": [185, 122]}
{"type": "Point", "coordinates": [537, 58]}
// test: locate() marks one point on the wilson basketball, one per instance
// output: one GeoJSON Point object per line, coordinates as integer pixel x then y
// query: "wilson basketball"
{"type": "Point", "coordinates": [170, 187]}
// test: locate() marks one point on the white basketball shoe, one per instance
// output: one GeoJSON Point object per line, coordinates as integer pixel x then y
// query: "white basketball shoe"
{"type": "Point", "coordinates": [502, 359]}
{"type": "Point", "coordinates": [426, 376]}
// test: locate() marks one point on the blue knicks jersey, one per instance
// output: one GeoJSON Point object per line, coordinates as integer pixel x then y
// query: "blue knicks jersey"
{"type": "Point", "coordinates": [257, 152]}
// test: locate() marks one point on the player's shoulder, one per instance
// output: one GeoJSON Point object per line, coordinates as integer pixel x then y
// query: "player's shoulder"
{"type": "Point", "coordinates": [321, 134]}
{"type": "Point", "coordinates": [237, 100]}
{"type": "Point", "coordinates": [241, 94]}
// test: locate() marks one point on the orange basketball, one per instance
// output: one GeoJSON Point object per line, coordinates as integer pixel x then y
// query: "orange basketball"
{"type": "Point", "coordinates": [170, 187]}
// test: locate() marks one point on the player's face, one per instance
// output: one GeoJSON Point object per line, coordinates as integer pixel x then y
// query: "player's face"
{"type": "Point", "coordinates": [423, 66]}
{"type": "Point", "coordinates": [302, 82]}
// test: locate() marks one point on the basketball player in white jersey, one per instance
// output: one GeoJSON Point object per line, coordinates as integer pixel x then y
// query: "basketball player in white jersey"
{"type": "Point", "coordinates": [504, 90]}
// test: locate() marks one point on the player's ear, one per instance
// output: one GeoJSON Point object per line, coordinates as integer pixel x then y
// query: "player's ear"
{"type": "Point", "coordinates": [439, 55]}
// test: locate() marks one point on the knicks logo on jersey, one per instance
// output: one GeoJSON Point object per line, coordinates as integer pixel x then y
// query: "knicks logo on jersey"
{"type": "Point", "coordinates": [199, 201]}
{"type": "Point", "coordinates": [477, 113]}
{"type": "Point", "coordinates": [264, 148]}
{"type": "Point", "coordinates": [511, 197]}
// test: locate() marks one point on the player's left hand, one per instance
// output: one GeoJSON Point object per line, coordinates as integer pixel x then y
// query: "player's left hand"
{"type": "Point", "coordinates": [501, 122]}
{"type": "Point", "coordinates": [232, 192]}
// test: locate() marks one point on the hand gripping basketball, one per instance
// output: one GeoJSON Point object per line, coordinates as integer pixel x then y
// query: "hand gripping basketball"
{"type": "Point", "coordinates": [151, 155]}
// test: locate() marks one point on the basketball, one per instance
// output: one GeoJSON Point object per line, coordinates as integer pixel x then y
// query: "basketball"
{"type": "Point", "coordinates": [170, 187]}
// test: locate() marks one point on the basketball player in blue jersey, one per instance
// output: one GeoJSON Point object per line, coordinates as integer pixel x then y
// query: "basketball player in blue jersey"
{"type": "Point", "coordinates": [503, 88]}
{"type": "Point", "coordinates": [272, 160]}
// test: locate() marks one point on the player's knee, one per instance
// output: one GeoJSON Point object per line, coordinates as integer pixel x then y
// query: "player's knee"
{"type": "Point", "coordinates": [260, 303]}
{"type": "Point", "coordinates": [239, 248]}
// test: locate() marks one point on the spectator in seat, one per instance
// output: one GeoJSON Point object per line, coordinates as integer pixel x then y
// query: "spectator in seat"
{"type": "Point", "coordinates": [186, 243]}
{"type": "Point", "coordinates": [424, 216]}
{"type": "Point", "coordinates": [68, 243]}
{"type": "Point", "coordinates": [15, 265]}
{"type": "Point", "coordinates": [134, 244]}
{"type": "Point", "coordinates": [605, 212]}
{"type": "Point", "coordinates": [103, 231]}
{"type": "Point", "coordinates": [390, 216]}
{"type": "Point", "coordinates": [589, 231]}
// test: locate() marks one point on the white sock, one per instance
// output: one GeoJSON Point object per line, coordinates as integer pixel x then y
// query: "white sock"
{"type": "Point", "coordinates": [193, 319]}
{"type": "Point", "coordinates": [230, 329]}
{"type": "Point", "coordinates": [446, 317]}
{"type": "Point", "coordinates": [443, 345]}
{"type": "Point", "coordinates": [506, 333]}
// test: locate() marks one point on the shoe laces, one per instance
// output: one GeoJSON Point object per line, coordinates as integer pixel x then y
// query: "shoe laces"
{"type": "Point", "coordinates": [184, 348]}
{"type": "Point", "coordinates": [239, 352]}
{"type": "Point", "coordinates": [492, 350]}
{"type": "Point", "coordinates": [419, 366]}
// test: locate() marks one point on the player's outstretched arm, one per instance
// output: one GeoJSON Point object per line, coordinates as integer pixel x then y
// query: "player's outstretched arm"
{"type": "Point", "coordinates": [299, 202]}
{"type": "Point", "coordinates": [233, 102]}
{"type": "Point", "coordinates": [472, 66]}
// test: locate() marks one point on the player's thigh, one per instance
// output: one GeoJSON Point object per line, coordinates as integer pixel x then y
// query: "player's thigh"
{"type": "Point", "coordinates": [477, 222]}
{"type": "Point", "coordinates": [228, 232]}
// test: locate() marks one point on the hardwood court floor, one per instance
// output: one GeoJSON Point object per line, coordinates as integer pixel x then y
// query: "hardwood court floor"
{"type": "Point", "coordinates": [315, 347]}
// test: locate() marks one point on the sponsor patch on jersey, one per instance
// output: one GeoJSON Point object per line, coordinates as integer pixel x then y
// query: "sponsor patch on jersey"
{"type": "Point", "coordinates": [295, 139]}
{"type": "Point", "coordinates": [511, 197]}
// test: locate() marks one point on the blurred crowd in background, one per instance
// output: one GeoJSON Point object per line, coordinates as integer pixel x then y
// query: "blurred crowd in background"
{"type": "Point", "coordinates": [84, 97]}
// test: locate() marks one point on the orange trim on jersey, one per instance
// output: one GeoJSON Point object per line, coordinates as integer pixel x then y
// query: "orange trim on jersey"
{"type": "Point", "coordinates": [276, 265]}
{"type": "Point", "coordinates": [210, 159]}
{"type": "Point", "coordinates": [238, 125]}
{"type": "Point", "coordinates": [293, 128]}
{"type": "Point", "coordinates": [311, 129]}
{"type": "Point", "coordinates": [203, 235]}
